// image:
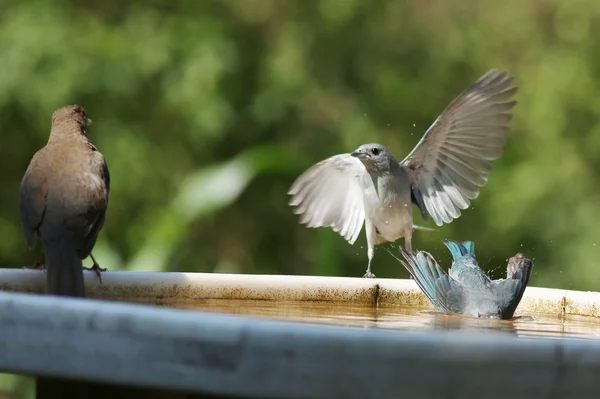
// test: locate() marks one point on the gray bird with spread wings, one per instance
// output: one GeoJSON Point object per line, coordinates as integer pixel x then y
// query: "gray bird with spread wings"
{"type": "Point", "coordinates": [441, 174]}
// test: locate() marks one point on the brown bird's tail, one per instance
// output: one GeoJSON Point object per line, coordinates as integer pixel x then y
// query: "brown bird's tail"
{"type": "Point", "coordinates": [64, 275]}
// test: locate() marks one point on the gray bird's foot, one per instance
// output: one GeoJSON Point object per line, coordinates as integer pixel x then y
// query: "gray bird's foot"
{"type": "Point", "coordinates": [368, 274]}
{"type": "Point", "coordinates": [96, 269]}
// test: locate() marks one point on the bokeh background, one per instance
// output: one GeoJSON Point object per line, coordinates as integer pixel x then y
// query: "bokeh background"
{"type": "Point", "coordinates": [206, 112]}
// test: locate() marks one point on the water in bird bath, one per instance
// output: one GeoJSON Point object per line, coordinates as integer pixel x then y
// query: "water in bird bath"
{"type": "Point", "coordinates": [332, 300]}
{"type": "Point", "coordinates": [407, 318]}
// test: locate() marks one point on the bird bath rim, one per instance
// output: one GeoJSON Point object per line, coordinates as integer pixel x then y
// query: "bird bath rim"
{"type": "Point", "coordinates": [168, 287]}
{"type": "Point", "coordinates": [240, 356]}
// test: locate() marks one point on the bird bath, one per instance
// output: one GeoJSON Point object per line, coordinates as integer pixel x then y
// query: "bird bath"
{"type": "Point", "coordinates": [294, 337]}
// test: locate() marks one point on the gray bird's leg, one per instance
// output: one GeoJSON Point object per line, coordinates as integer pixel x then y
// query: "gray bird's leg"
{"type": "Point", "coordinates": [371, 253]}
{"type": "Point", "coordinates": [408, 245]}
{"type": "Point", "coordinates": [95, 268]}
{"type": "Point", "coordinates": [408, 240]}
{"type": "Point", "coordinates": [371, 240]}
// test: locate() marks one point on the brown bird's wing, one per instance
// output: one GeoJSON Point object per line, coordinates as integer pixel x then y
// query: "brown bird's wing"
{"type": "Point", "coordinates": [94, 219]}
{"type": "Point", "coordinates": [329, 195]}
{"type": "Point", "coordinates": [32, 202]}
{"type": "Point", "coordinates": [454, 156]}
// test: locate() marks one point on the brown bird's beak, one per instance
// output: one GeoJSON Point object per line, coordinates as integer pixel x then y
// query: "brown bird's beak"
{"type": "Point", "coordinates": [359, 154]}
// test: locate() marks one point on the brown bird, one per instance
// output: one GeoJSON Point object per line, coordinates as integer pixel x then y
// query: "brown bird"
{"type": "Point", "coordinates": [64, 198]}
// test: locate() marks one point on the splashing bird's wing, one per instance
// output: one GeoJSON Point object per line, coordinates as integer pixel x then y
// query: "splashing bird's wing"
{"type": "Point", "coordinates": [510, 291]}
{"type": "Point", "coordinates": [444, 293]}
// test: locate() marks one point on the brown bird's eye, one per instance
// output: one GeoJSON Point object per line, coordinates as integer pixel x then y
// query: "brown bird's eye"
{"type": "Point", "coordinates": [375, 151]}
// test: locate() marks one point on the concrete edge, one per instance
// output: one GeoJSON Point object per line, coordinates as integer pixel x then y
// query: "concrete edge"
{"type": "Point", "coordinates": [194, 351]}
{"type": "Point", "coordinates": [177, 287]}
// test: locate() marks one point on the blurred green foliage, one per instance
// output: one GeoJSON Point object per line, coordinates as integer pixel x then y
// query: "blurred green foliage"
{"type": "Point", "coordinates": [206, 112]}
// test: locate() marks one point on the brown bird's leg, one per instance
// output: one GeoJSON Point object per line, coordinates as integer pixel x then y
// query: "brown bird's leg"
{"type": "Point", "coordinates": [95, 268]}
{"type": "Point", "coordinates": [37, 265]}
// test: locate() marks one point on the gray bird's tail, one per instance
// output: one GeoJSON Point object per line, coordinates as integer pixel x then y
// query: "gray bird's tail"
{"type": "Point", "coordinates": [64, 274]}
{"type": "Point", "coordinates": [443, 292]}
{"type": "Point", "coordinates": [510, 291]}
{"type": "Point", "coordinates": [423, 228]}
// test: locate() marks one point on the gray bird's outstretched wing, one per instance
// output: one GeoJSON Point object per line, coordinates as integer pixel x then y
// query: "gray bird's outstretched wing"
{"type": "Point", "coordinates": [329, 194]}
{"type": "Point", "coordinates": [454, 156]}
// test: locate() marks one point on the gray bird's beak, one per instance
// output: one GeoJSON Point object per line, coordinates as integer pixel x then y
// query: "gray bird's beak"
{"type": "Point", "coordinates": [89, 122]}
{"type": "Point", "coordinates": [359, 154]}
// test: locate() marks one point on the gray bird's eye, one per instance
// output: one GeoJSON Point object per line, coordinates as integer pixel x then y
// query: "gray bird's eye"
{"type": "Point", "coordinates": [375, 151]}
